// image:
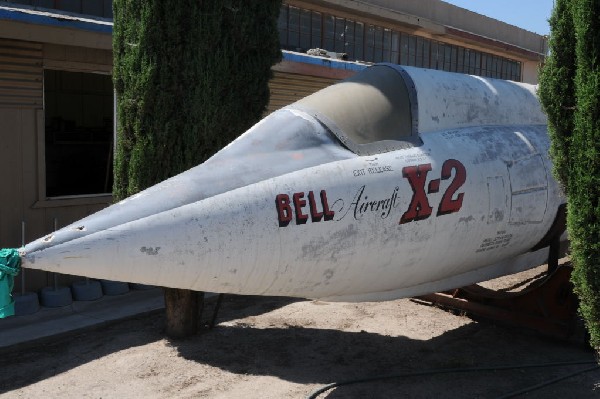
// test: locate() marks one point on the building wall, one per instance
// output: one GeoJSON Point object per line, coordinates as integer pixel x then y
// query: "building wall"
{"type": "Point", "coordinates": [286, 88]}
{"type": "Point", "coordinates": [442, 25]}
{"type": "Point", "coordinates": [22, 199]}
{"type": "Point", "coordinates": [530, 72]}
{"type": "Point", "coordinates": [302, 29]}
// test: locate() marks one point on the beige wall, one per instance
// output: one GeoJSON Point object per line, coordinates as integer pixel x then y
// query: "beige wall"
{"type": "Point", "coordinates": [530, 72]}
{"type": "Point", "coordinates": [22, 145]}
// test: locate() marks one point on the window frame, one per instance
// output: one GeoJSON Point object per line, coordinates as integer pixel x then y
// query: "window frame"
{"type": "Point", "coordinates": [44, 201]}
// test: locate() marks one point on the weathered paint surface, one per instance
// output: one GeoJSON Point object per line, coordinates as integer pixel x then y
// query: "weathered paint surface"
{"type": "Point", "coordinates": [287, 210]}
{"type": "Point", "coordinates": [466, 100]}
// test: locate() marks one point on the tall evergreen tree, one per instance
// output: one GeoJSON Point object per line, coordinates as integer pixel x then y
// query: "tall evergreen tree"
{"type": "Point", "coordinates": [584, 174]}
{"type": "Point", "coordinates": [557, 87]}
{"type": "Point", "coordinates": [570, 94]}
{"type": "Point", "coordinates": [190, 76]}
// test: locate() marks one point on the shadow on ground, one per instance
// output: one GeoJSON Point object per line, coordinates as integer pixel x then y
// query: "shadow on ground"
{"type": "Point", "coordinates": [321, 356]}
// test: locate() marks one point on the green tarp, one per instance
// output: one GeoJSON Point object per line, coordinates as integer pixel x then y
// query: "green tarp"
{"type": "Point", "coordinates": [10, 264]}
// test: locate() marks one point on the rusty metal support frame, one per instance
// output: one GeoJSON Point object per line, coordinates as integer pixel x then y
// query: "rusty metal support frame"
{"type": "Point", "coordinates": [548, 305]}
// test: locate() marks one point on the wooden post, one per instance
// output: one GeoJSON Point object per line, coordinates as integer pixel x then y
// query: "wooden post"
{"type": "Point", "coordinates": [181, 312]}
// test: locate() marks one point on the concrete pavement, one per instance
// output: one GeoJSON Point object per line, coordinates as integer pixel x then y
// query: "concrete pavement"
{"type": "Point", "coordinates": [51, 323]}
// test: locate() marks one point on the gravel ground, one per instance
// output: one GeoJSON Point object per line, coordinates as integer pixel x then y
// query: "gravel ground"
{"type": "Point", "coordinates": [286, 348]}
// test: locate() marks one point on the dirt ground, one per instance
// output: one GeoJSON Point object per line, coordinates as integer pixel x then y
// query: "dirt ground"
{"type": "Point", "coordinates": [285, 348]}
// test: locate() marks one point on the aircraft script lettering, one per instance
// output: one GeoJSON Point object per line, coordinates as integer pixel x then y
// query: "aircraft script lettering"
{"type": "Point", "coordinates": [301, 206]}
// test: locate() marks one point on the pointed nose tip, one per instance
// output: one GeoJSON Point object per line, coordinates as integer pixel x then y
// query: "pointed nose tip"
{"type": "Point", "coordinates": [58, 237]}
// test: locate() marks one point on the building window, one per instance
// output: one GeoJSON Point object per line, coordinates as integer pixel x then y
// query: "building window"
{"type": "Point", "coordinates": [78, 110]}
{"type": "Point", "coordinates": [282, 26]}
{"type": "Point", "coordinates": [328, 41]}
{"type": "Point", "coordinates": [395, 47]}
{"type": "Point", "coordinates": [294, 27]}
{"type": "Point", "coordinates": [350, 39]}
{"type": "Point", "coordinates": [359, 48]}
{"type": "Point", "coordinates": [301, 29]}
{"type": "Point", "coordinates": [340, 35]}
{"type": "Point", "coordinates": [316, 26]}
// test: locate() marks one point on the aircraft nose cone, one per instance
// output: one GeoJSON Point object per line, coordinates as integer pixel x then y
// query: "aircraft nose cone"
{"type": "Point", "coordinates": [60, 236]}
{"type": "Point", "coordinates": [255, 152]}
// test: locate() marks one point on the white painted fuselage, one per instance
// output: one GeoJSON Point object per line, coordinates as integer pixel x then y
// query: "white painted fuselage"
{"type": "Point", "coordinates": [462, 202]}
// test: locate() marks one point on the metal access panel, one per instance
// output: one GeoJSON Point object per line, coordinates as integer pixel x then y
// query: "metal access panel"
{"type": "Point", "coordinates": [529, 186]}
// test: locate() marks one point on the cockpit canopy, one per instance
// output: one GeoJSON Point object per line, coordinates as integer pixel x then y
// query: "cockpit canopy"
{"type": "Point", "coordinates": [388, 107]}
{"type": "Point", "coordinates": [371, 112]}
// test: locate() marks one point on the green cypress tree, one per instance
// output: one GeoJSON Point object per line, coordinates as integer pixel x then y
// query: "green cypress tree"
{"type": "Point", "coordinates": [190, 76]}
{"type": "Point", "coordinates": [557, 87]}
{"type": "Point", "coordinates": [584, 174]}
{"type": "Point", "coordinates": [570, 94]}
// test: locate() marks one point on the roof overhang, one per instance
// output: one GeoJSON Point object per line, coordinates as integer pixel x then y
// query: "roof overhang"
{"type": "Point", "coordinates": [304, 64]}
{"type": "Point", "coordinates": [56, 28]}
